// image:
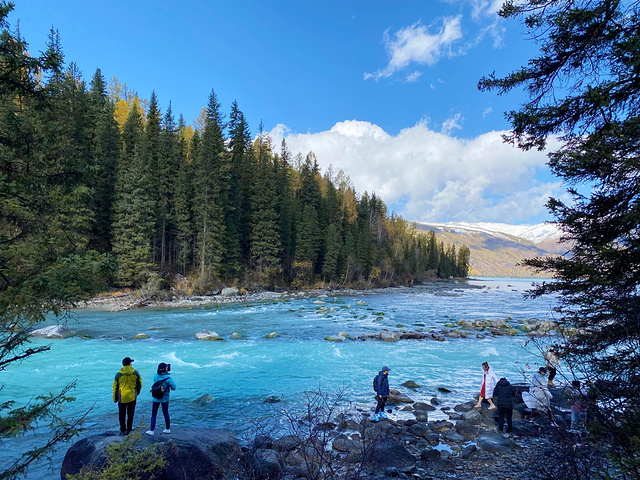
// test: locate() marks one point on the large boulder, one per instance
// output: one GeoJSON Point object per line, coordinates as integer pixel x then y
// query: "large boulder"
{"type": "Point", "coordinates": [194, 453]}
{"type": "Point", "coordinates": [53, 331]}
{"type": "Point", "coordinates": [389, 453]}
{"type": "Point", "coordinates": [396, 396]}
{"type": "Point", "coordinates": [229, 292]}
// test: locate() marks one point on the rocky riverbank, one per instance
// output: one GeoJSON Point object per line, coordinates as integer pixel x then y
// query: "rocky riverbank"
{"type": "Point", "coordinates": [467, 446]}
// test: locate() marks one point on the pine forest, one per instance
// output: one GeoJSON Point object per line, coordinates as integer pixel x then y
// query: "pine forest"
{"type": "Point", "coordinates": [160, 200]}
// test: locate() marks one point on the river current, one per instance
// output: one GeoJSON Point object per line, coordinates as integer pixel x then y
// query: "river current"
{"type": "Point", "coordinates": [241, 374]}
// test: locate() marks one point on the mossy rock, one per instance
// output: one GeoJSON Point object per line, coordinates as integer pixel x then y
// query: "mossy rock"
{"type": "Point", "coordinates": [140, 336]}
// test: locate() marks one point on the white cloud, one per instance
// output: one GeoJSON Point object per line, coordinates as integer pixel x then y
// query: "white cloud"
{"type": "Point", "coordinates": [451, 123]}
{"type": "Point", "coordinates": [428, 176]}
{"type": "Point", "coordinates": [486, 111]}
{"type": "Point", "coordinates": [413, 77]}
{"type": "Point", "coordinates": [414, 44]}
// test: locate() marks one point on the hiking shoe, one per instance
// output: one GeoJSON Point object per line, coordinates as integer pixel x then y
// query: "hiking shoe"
{"type": "Point", "coordinates": [150, 432]}
{"type": "Point", "coordinates": [375, 418]}
{"type": "Point", "coordinates": [166, 430]}
{"type": "Point", "coordinates": [383, 415]}
{"type": "Point", "coordinates": [122, 434]}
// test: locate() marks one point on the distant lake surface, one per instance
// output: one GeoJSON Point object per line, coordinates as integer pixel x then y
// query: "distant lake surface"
{"type": "Point", "coordinates": [241, 374]}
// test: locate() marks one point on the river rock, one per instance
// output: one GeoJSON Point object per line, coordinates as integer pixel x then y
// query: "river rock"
{"type": "Point", "coordinates": [389, 453]}
{"type": "Point", "coordinates": [229, 292]}
{"type": "Point", "coordinates": [396, 396]}
{"type": "Point", "coordinates": [387, 336]}
{"type": "Point", "coordinates": [194, 453]}
{"type": "Point", "coordinates": [236, 336]}
{"type": "Point", "coordinates": [286, 443]}
{"type": "Point", "coordinates": [472, 416]}
{"type": "Point", "coordinates": [53, 331]}
{"type": "Point", "coordinates": [272, 335]}
{"type": "Point", "coordinates": [424, 407]}
{"type": "Point", "coordinates": [203, 399]}
{"type": "Point", "coordinates": [140, 336]}
{"type": "Point", "coordinates": [266, 463]}
{"type": "Point", "coordinates": [343, 443]}
{"type": "Point", "coordinates": [207, 335]}
{"type": "Point", "coordinates": [466, 429]}
{"type": "Point", "coordinates": [494, 443]}
{"type": "Point", "coordinates": [410, 384]}
{"type": "Point", "coordinates": [334, 338]}
{"type": "Point", "coordinates": [430, 455]}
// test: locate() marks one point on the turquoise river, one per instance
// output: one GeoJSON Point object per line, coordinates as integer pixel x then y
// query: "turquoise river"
{"type": "Point", "coordinates": [241, 374]}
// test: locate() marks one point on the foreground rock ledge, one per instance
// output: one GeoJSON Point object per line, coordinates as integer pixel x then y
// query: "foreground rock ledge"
{"type": "Point", "coordinates": [193, 453]}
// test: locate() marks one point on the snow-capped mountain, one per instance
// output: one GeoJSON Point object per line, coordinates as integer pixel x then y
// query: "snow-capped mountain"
{"type": "Point", "coordinates": [538, 233]}
{"type": "Point", "coordinates": [498, 249]}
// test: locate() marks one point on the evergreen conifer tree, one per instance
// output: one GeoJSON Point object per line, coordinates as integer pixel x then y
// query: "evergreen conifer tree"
{"type": "Point", "coordinates": [211, 173]}
{"type": "Point", "coordinates": [589, 58]}
{"type": "Point", "coordinates": [134, 207]}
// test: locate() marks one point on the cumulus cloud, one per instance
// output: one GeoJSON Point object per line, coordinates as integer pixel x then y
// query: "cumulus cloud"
{"type": "Point", "coordinates": [415, 44]}
{"type": "Point", "coordinates": [425, 175]}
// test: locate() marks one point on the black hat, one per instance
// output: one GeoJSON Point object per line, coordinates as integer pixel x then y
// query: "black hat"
{"type": "Point", "coordinates": [542, 370]}
{"type": "Point", "coordinates": [127, 361]}
{"type": "Point", "coordinates": [385, 369]}
{"type": "Point", "coordinates": [162, 367]}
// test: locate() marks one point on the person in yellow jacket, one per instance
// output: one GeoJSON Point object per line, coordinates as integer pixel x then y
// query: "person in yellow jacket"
{"type": "Point", "coordinates": [126, 388]}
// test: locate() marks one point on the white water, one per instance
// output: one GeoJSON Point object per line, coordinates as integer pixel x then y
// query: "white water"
{"type": "Point", "coordinates": [241, 374]}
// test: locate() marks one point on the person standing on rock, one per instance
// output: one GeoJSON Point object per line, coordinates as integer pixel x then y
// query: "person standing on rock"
{"type": "Point", "coordinates": [162, 379]}
{"type": "Point", "coordinates": [489, 380]}
{"type": "Point", "coordinates": [381, 385]}
{"type": "Point", "coordinates": [126, 388]}
{"type": "Point", "coordinates": [503, 396]}
{"type": "Point", "coordinates": [552, 363]}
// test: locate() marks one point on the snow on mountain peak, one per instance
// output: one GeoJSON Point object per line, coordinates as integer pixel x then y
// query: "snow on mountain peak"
{"type": "Point", "coordinates": [534, 233]}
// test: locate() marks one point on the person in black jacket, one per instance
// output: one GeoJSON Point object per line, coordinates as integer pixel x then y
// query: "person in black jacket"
{"type": "Point", "coordinates": [503, 397]}
{"type": "Point", "coordinates": [382, 392]}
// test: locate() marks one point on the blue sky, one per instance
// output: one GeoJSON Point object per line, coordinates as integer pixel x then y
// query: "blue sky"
{"type": "Point", "coordinates": [385, 91]}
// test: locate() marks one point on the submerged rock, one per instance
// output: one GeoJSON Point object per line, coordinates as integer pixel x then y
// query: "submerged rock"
{"type": "Point", "coordinates": [54, 331]}
{"type": "Point", "coordinates": [272, 335]}
{"type": "Point", "coordinates": [203, 399]}
{"type": "Point", "coordinates": [237, 336]}
{"type": "Point", "coordinates": [140, 336]}
{"type": "Point", "coordinates": [334, 338]}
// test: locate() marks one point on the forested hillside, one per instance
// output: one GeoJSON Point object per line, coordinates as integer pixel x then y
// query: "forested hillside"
{"type": "Point", "coordinates": [210, 202]}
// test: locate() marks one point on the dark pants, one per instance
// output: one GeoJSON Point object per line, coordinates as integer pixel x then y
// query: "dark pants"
{"type": "Point", "coordinates": [381, 403]}
{"type": "Point", "coordinates": [552, 373]}
{"type": "Point", "coordinates": [125, 415]}
{"type": "Point", "coordinates": [165, 412]}
{"type": "Point", "coordinates": [502, 413]}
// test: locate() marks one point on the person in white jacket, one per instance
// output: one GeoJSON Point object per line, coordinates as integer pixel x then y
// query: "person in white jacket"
{"type": "Point", "coordinates": [489, 380]}
{"type": "Point", "coordinates": [538, 396]}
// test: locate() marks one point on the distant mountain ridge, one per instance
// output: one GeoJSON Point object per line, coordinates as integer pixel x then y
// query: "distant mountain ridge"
{"type": "Point", "coordinates": [497, 249]}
